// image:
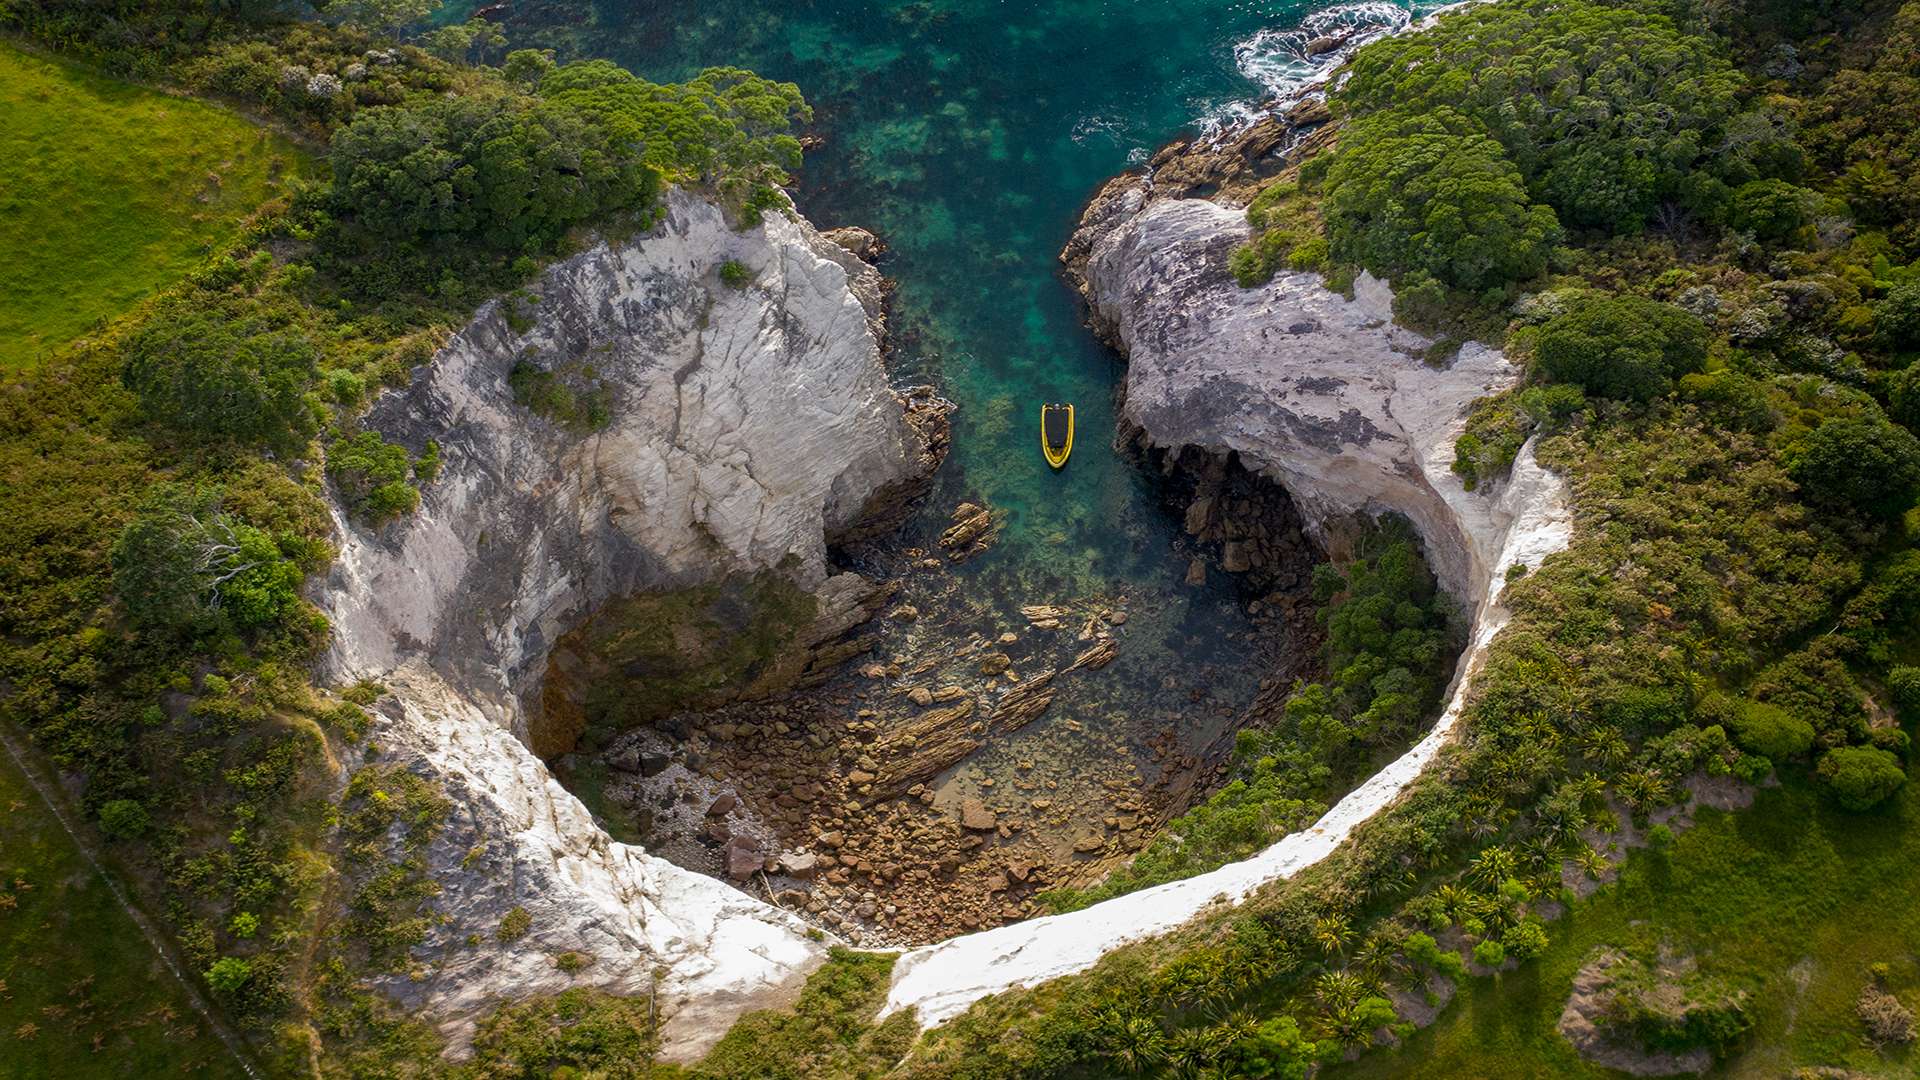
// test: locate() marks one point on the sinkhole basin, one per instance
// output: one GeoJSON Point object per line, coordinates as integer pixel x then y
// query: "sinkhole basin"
{"type": "Point", "coordinates": [998, 732]}
{"type": "Point", "coordinates": [969, 143]}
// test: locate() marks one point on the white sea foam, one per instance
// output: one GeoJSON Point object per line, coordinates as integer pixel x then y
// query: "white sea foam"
{"type": "Point", "coordinates": [1278, 62]}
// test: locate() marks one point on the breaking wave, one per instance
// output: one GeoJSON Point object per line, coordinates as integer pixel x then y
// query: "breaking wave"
{"type": "Point", "coordinates": [1293, 63]}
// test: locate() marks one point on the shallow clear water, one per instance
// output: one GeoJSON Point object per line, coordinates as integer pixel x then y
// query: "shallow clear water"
{"type": "Point", "coordinates": [968, 134]}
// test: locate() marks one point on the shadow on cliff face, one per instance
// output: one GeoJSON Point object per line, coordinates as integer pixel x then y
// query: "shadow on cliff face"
{"type": "Point", "coordinates": [642, 658]}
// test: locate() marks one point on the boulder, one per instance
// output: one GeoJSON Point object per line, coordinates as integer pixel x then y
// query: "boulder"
{"type": "Point", "coordinates": [798, 864]}
{"type": "Point", "coordinates": [744, 858]}
{"type": "Point", "coordinates": [975, 815]}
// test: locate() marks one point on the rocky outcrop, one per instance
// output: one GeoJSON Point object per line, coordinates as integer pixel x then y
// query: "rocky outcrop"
{"type": "Point", "coordinates": [1318, 391]}
{"type": "Point", "coordinates": [740, 425]}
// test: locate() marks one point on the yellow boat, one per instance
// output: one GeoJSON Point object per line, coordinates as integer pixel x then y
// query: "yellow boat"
{"type": "Point", "coordinates": [1056, 433]}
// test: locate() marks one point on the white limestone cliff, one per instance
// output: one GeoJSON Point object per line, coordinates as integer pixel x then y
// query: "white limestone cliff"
{"type": "Point", "coordinates": [747, 426]}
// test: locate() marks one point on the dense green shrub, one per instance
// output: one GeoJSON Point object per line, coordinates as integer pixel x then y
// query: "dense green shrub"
{"type": "Point", "coordinates": [1904, 683]}
{"type": "Point", "coordinates": [213, 375]}
{"type": "Point", "coordinates": [1862, 777]}
{"type": "Point", "coordinates": [1770, 731]}
{"type": "Point", "coordinates": [1500, 425]}
{"type": "Point", "coordinates": [1275, 1050]}
{"type": "Point", "coordinates": [571, 395]}
{"type": "Point", "coordinates": [1621, 347]}
{"type": "Point", "coordinates": [186, 561]}
{"type": "Point", "coordinates": [229, 974]}
{"type": "Point", "coordinates": [1426, 192]}
{"type": "Point", "coordinates": [1865, 464]}
{"type": "Point", "coordinates": [1287, 233]}
{"type": "Point", "coordinates": [1773, 210]}
{"type": "Point", "coordinates": [575, 1033]}
{"type": "Point", "coordinates": [1423, 950]}
{"type": "Point", "coordinates": [371, 475]}
{"type": "Point", "coordinates": [826, 1034]}
{"type": "Point", "coordinates": [1896, 319]}
{"type": "Point", "coordinates": [1525, 939]}
{"type": "Point", "coordinates": [1736, 401]}
{"type": "Point", "coordinates": [124, 819]}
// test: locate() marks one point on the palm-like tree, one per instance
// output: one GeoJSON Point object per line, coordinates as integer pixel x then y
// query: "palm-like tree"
{"type": "Point", "coordinates": [1542, 854]}
{"type": "Point", "coordinates": [1605, 745]}
{"type": "Point", "coordinates": [1379, 958]}
{"type": "Point", "coordinates": [1643, 789]}
{"type": "Point", "coordinates": [1492, 867]}
{"type": "Point", "coordinates": [1458, 903]}
{"type": "Point", "coordinates": [1346, 1024]}
{"type": "Point", "coordinates": [1231, 1025]}
{"type": "Point", "coordinates": [1590, 790]}
{"type": "Point", "coordinates": [1333, 934]}
{"type": "Point", "coordinates": [1336, 989]}
{"type": "Point", "coordinates": [1591, 861]}
{"type": "Point", "coordinates": [1193, 1048]}
{"type": "Point", "coordinates": [1136, 1044]}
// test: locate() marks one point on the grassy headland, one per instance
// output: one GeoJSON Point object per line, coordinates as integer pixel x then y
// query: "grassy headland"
{"type": "Point", "coordinates": [111, 193]}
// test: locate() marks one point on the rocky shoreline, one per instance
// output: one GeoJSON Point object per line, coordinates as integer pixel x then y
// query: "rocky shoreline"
{"type": "Point", "coordinates": [857, 801]}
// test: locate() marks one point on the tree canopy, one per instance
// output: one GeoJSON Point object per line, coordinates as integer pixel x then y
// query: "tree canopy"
{"type": "Point", "coordinates": [1862, 776]}
{"type": "Point", "coordinates": [1625, 347]}
{"type": "Point", "coordinates": [513, 171]}
{"type": "Point", "coordinates": [1863, 463]}
{"type": "Point", "coordinates": [1604, 110]}
{"type": "Point", "coordinates": [1411, 192]}
{"type": "Point", "coordinates": [215, 375]}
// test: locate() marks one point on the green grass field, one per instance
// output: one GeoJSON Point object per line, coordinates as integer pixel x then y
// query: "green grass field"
{"type": "Point", "coordinates": [108, 192]}
{"type": "Point", "coordinates": [1794, 897]}
{"type": "Point", "coordinates": [81, 992]}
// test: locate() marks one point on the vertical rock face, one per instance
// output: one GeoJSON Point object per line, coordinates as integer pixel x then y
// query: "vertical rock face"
{"type": "Point", "coordinates": [743, 422]}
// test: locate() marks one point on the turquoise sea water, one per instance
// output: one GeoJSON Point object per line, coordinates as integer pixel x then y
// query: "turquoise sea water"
{"type": "Point", "coordinates": [969, 134]}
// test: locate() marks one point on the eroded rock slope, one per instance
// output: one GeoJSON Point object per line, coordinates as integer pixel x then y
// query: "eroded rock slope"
{"type": "Point", "coordinates": [745, 424]}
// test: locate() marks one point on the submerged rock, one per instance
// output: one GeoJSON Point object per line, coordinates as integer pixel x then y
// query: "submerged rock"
{"type": "Point", "coordinates": [740, 430]}
{"type": "Point", "coordinates": [859, 242]}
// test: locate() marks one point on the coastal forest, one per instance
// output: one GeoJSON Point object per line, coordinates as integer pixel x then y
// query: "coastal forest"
{"type": "Point", "coordinates": [1668, 830]}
